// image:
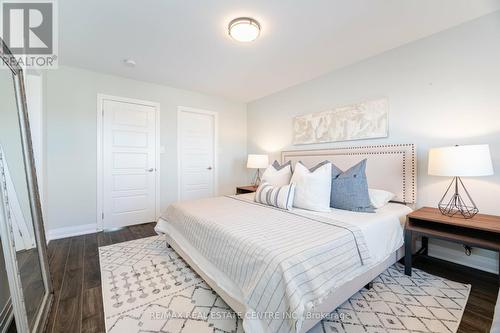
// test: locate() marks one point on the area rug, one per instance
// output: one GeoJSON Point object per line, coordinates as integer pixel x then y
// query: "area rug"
{"type": "Point", "coordinates": [147, 287]}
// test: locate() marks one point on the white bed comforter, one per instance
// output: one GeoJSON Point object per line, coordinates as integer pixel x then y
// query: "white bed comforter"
{"type": "Point", "coordinates": [283, 262]}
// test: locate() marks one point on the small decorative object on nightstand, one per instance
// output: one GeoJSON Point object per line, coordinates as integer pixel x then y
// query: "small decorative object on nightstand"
{"type": "Point", "coordinates": [246, 189]}
{"type": "Point", "coordinates": [257, 162]}
{"type": "Point", "coordinates": [456, 162]}
{"type": "Point", "coordinates": [481, 231]}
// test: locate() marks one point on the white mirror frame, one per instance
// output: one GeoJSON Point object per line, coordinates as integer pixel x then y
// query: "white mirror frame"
{"type": "Point", "coordinates": [7, 236]}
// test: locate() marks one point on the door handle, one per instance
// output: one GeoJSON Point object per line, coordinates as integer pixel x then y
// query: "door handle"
{"type": "Point", "coordinates": [150, 170]}
{"type": "Point", "coordinates": [209, 168]}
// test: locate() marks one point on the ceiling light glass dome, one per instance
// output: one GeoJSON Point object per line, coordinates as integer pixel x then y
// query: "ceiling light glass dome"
{"type": "Point", "coordinates": [244, 29]}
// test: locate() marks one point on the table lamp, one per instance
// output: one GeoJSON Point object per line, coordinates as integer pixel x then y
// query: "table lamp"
{"type": "Point", "coordinates": [457, 162]}
{"type": "Point", "coordinates": [257, 162]}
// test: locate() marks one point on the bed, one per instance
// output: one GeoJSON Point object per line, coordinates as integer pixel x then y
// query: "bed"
{"type": "Point", "coordinates": [283, 271]}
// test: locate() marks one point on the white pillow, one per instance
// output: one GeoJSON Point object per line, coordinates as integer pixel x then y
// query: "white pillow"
{"type": "Point", "coordinates": [313, 188]}
{"type": "Point", "coordinates": [380, 198]}
{"type": "Point", "coordinates": [276, 196]}
{"type": "Point", "coordinates": [277, 175]}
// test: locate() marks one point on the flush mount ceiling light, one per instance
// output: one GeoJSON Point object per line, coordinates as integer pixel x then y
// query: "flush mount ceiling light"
{"type": "Point", "coordinates": [244, 29]}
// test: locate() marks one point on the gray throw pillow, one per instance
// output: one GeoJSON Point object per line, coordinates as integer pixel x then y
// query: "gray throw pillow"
{"type": "Point", "coordinates": [350, 189]}
{"type": "Point", "coordinates": [277, 165]}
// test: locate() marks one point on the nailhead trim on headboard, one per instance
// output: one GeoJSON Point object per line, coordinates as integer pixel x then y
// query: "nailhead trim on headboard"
{"type": "Point", "coordinates": [406, 150]}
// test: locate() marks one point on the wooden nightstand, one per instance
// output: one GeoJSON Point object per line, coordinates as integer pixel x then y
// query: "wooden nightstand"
{"type": "Point", "coordinates": [481, 231]}
{"type": "Point", "coordinates": [246, 189]}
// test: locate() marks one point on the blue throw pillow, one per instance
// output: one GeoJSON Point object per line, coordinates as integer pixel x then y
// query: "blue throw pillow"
{"type": "Point", "coordinates": [350, 189]}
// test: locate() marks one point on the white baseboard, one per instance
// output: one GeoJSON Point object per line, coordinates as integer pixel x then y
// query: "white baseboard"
{"type": "Point", "coordinates": [480, 259]}
{"type": "Point", "coordinates": [71, 231]}
{"type": "Point", "coordinates": [6, 316]}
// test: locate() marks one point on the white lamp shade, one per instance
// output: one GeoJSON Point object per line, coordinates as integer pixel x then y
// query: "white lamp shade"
{"type": "Point", "coordinates": [460, 161]}
{"type": "Point", "coordinates": [257, 161]}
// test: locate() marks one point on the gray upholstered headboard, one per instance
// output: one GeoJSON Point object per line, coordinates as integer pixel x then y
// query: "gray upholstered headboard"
{"type": "Point", "coordinates": [389, 167]}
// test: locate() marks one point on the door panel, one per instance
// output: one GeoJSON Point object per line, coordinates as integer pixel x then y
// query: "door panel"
{"type": "Point", "coordinates": [130, 182]}
{"type": "Point", "coordinates": [130, 160]}
{"type": "Point", "coordinates": [129, 164]}
{"type": "Point", "coordinates": [130, 139]}
{"type": "Point", "coordinates": [197, 155]}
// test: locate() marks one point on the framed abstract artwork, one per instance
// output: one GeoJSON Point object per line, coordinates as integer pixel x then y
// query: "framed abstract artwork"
{"type": "Point", "coordinates": [365, 120]}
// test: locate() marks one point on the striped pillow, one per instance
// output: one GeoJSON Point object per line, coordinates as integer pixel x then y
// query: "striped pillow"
{"type": "Point", "coordinates": [276, 196]}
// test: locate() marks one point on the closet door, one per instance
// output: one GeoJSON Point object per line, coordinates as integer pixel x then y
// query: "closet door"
{"type": "Point", "coordinates": [196, 154]}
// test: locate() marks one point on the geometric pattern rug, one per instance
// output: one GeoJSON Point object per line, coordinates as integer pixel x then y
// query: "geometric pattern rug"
{"type": "Point", "coordinates": [148, 287]}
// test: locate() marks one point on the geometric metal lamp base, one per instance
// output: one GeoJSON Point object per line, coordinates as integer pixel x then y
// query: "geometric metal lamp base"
{"type": "Point", "coordinates": [456, 204]}
{"type": "Point", "coordinates": [257, 178]}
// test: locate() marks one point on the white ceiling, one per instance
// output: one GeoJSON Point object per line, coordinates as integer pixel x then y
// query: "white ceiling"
{"type": "Point", "coordinates": [184, 43]}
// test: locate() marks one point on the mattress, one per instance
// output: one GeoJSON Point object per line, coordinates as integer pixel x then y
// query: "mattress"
{"type": "Point", "coordinates": [380, 234]}
{"type": "Point", "coordinates": [383, 230]}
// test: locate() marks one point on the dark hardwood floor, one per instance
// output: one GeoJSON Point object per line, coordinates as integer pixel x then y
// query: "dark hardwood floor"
{"type": "Point", "coordinates": [77, 307]}
{"type": "Point", "coordinates": [478, 314]}
{"type": "Point", "coordinates": [74, 265]}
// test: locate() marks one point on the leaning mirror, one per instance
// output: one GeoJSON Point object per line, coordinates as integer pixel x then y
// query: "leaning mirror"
{"type": "Point", "coordinates": [21, 226]}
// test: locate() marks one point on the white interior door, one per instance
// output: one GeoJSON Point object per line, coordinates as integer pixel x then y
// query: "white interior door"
{"type": "Point", "coordinates": [129, 164]}
{"type": "Point", "coordinates": [196, 154]}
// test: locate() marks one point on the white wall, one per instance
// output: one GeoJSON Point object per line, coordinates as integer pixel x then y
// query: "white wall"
{"type": "Point", "coordinates": [71, 102]}
{"type": "Point", "coordinates": [442, 90]}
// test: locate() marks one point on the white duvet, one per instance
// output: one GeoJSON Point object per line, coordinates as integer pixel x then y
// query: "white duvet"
{"type": "Point", "coordinates": [279, 264]}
